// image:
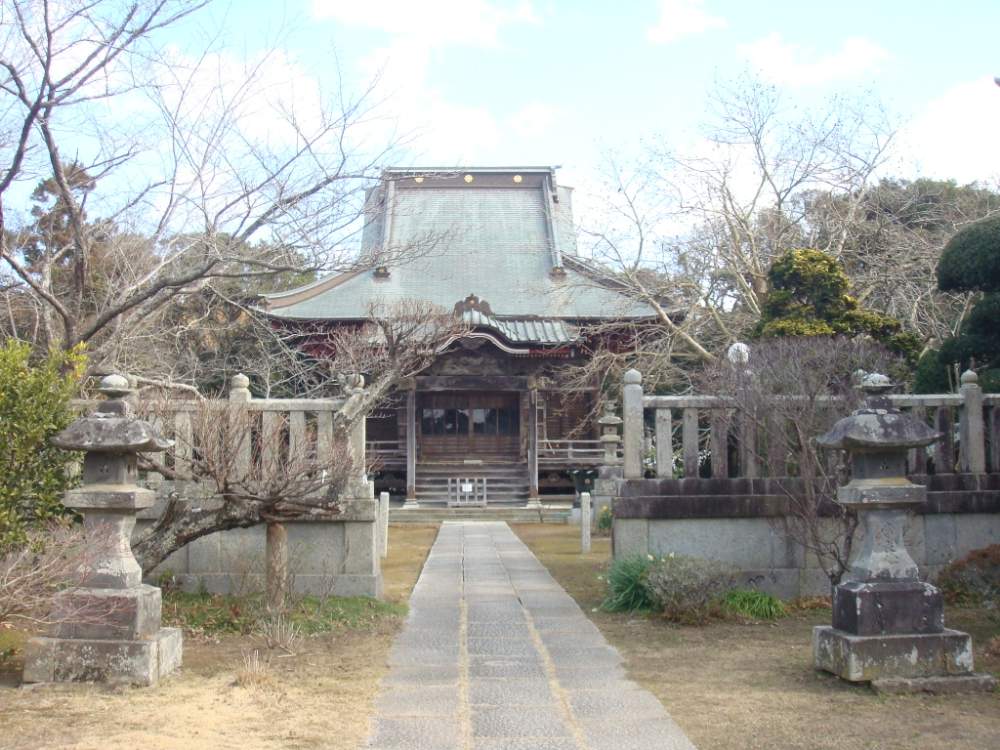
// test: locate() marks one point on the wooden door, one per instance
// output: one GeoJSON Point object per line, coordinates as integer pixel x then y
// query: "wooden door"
{"type": "Point", "coordinates": [471, 424]}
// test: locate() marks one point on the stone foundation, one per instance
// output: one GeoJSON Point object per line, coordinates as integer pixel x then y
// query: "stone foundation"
{"type": "Point", "coordinates": [739, 521]}
{"type": "Point", "coordinates": [132, 662]}
{"type": "Point", "coordinates": [861, 658]}
{"type": "Point", "coordinates": [326, 557]}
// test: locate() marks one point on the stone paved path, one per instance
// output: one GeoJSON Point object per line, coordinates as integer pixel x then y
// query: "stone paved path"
{"type": "Point", "coordinates": [495, 654]}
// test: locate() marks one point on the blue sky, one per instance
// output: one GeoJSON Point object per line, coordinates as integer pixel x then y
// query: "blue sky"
{"type": "Point", "coordinates": [558, 82]}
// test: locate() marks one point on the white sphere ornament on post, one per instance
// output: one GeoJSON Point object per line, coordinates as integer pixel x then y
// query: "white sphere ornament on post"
{"type": "Point", "coordinates": [738, 353]}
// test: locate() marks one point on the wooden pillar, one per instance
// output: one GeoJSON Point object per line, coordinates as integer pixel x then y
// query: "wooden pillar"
{"type": "Point", "coordinates": [533, 449]}
{"type": "Point", "coordinates": [411, 448]}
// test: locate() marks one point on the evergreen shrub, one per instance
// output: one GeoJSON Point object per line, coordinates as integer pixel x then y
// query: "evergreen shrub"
{"type": "Point", "coordinates": [626, 581]}
{"type": "Point", "coordinates": [34, 406]}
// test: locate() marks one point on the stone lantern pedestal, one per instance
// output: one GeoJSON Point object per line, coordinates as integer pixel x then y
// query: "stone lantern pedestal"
{"type": "Point", "coordinates": [108, 629]}
{"type": "Point", "coordinates": [888, 625]}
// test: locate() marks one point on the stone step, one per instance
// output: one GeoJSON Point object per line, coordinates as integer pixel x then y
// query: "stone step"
{"type": "Point", "coordinates": [472, 472]}
{"type": "Point", "coordinates": [508, 514]}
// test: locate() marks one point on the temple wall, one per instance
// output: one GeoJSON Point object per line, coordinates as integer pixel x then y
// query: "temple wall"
{"type": "Point", "coordinates": [739, 522]}
{"type": "Point", "coordinates": [326, 556]}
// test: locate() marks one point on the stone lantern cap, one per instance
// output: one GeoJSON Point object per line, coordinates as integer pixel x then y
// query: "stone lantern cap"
{"type": "Point", "coordinates": [609, 418]}
{"type": "Point", "coordinates": [873, 429]}
{"type": "Point", "coordinates": [111, 429]}
{"type": "Point", "coordinates": [878, 426]}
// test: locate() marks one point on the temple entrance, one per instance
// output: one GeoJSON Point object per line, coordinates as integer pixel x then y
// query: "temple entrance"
{"type": "Point", "coordinates": [469, 424]}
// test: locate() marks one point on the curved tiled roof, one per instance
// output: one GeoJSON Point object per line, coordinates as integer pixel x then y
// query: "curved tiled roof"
{"type": "Point", "coordinates": [500, 240]}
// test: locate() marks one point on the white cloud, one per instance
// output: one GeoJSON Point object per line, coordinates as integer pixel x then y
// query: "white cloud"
{"type": "Point", "coordinates": [791, 64]}
{"type": "Point", "coordinates": [533, 120]}
{"type": "Point", "coordinates": [956, 135]}
{"type": "Point", "coordinates": [475, 23]}
{"type": "Point", "coordinates": [444, 131]}
{"type": "Point", "coordinates": [680, 18]}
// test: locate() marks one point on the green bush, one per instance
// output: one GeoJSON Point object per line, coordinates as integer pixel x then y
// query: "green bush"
{"type": "Point", "coordinates": [689, 590]}
{"type": "Point", "coordinates": [34, 405]}
{"type": "Point", "coordinates": [809, 296]}
{"type": "Point", "coordinates": [974, 579]}
{"type": "Point", "coordinates": [627, 591]}
{"type": "Point", "coordinates": [604, 520]}
{"type": "Point", "coordinates": [756, 605]}
{"type": "Point", "coordinates": [970, 260]}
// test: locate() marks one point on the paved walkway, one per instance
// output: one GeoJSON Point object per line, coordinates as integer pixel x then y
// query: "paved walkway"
{"type": "Point", "coordinates": [496, 655]}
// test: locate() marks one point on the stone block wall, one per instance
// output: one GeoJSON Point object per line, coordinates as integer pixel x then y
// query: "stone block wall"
{"type": "Point", "coordinates": [327, 557]}
{"type": "Point", "coordinates": [739, 521]}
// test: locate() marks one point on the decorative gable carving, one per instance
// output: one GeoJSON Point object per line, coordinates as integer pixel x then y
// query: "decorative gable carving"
{"type": "Point", "coordinates": [472, 303]}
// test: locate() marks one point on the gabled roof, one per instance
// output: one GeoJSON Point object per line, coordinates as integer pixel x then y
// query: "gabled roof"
{"type": "Point", "coordinates": [501, 234]}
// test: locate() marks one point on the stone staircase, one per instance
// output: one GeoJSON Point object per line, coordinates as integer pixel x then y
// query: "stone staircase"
{"type": "Point", "coordinates": [506, 481]}
{"type": "Point", "coordinates": [429, 515]}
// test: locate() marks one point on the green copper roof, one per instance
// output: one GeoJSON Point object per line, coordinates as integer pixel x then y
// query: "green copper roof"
{"type": "Point", "coordinates": [476, 233]}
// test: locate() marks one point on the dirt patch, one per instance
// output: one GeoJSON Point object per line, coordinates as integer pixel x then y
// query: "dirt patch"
{"type": "Point", "coordinates": [320, 697]}
{"type": "Point", "coordinates": [741, 686]}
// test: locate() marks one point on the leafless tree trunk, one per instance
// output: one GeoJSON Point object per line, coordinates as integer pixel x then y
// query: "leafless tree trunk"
{"type": "Point", "coordinates": [277, 566]}
{"type": "Point", "coordinates": [251, 474]}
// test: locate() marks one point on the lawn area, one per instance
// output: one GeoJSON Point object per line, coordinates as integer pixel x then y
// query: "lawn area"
{"type": "Point", "coordinates": [320, 696]}
{"type": "Point", "coordinates": [735, 686]}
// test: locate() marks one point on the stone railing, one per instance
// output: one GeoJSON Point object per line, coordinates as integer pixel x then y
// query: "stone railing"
{"type": "Point", "coordinates": [336, 554]}
{"type": "Point", "coordinates": [688, 429]}
{"type": "Point", "coordinates": [294, 427]}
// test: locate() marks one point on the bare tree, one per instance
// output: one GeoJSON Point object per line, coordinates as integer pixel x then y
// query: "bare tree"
{"type": "Point", "coordinates": [693, 235]}
{"type": "Point", "coordinates": [51, 561]}
{"type": "Point", "coordinates": [170, 172]}
{"type": "Point", "coordinates": [791, 391]}
{"type": "Point", "coordinates": [249, 473]}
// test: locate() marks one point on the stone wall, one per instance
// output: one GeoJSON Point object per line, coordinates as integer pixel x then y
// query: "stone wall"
{"type": "Point", "coordinates": [740, 521]}
{"type": "Point", "coordinates": [338, 556]}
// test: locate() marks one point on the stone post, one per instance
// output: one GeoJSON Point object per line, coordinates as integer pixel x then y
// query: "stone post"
{"type": "Point", "coordinates": [972, 431]}
{"type": "Point", "coordinates": [632, 417]}
{"type": "Point", "coordinates": [383, 510]}
{"type": "Point", "coordinates": [239, 389]}
{"type": "Point", "coordinates": [239, 393]}
{"type": "Point", "coordinates": [888, 625]}
{"type": "Point", "coordinates": [108, 629]}
{"type": "Point", "coordinates": [585, 521]}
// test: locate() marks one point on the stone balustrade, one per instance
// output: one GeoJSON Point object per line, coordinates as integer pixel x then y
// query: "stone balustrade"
{"type": "Point", "coordinates": [328, 555]}
{"type": "Point", "coordinates": [690, 432]}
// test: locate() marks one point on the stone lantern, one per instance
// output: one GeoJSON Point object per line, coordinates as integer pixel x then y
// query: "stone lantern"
{"type": "Point", "coordinates": [888, 625]}
{"type": "Point", "coordinates": [610, 439]}
{"type": "Point", "coordinates": [108, 628]}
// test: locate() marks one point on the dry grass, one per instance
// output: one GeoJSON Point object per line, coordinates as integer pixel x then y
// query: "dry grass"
{"type": "Point", "coordinates": [320, 697]}
{"type": "Point", "coordinates": [409, 545]}
{"type": "Point", "coordinates": [738, 686]}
